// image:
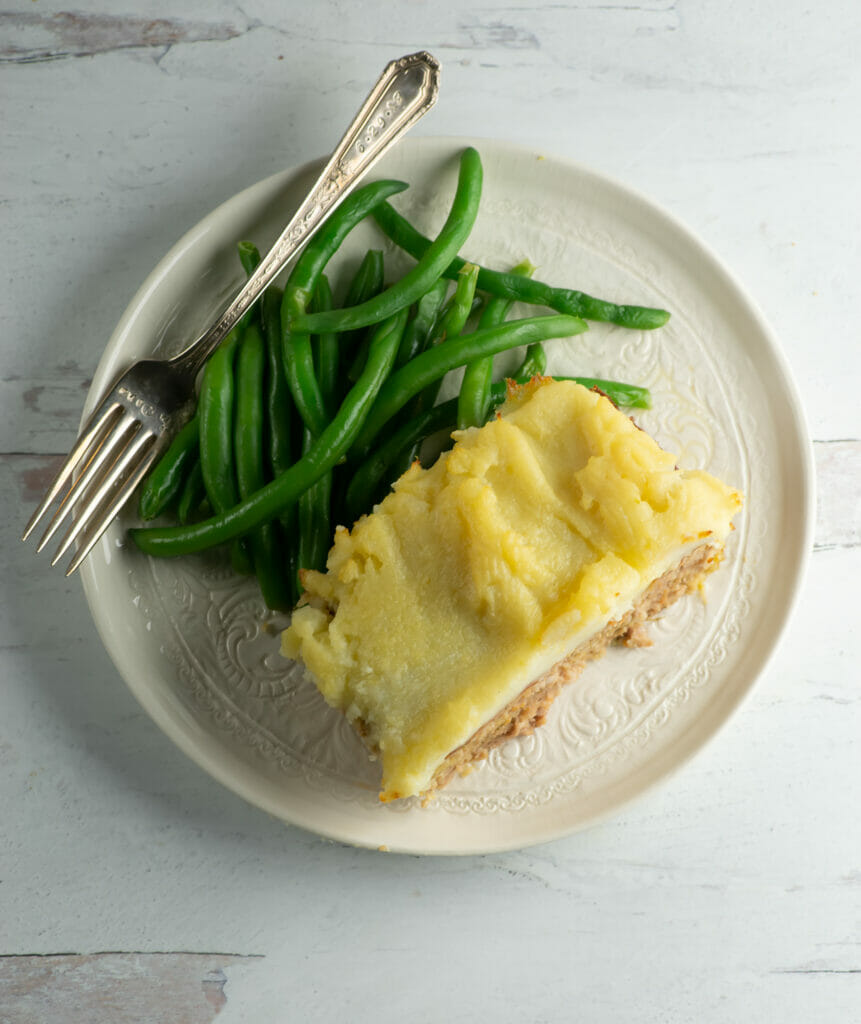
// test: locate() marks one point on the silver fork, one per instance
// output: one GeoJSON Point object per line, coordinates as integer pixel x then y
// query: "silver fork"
{"type": "Point", "coordinates": [147, 405]}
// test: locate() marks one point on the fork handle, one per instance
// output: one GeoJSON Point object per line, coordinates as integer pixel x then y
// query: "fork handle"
{"type": "Point", "coordinates": [406, 90]}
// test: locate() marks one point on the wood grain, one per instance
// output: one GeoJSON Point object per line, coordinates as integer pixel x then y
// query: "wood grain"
{"type": "Point", "coordinates": [123, 988]}
{"type": "Point", "coordinates": [838, 494]}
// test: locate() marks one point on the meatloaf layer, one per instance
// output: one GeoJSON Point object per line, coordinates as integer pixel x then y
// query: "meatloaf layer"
{"type": "Point", "coordinates": [448, 617]}
{"type": "Point", "coordinates": [529, 709]}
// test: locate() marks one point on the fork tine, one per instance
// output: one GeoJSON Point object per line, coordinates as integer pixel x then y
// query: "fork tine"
{"type": "Point", "coordinates": [112, 443]}
{"type": "Point", "coordinates": [94, 502]}
{"type": "Point", "coordinates": [110, 510]}
{"type": "Point", "coordinates": [97, 424]}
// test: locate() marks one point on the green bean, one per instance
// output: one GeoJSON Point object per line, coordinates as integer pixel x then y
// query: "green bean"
{"type": "Point", "coordinates": [165, 482]}
{"type": "Point", "coordinates": [630, 395]}
{"type": "Point", "coordinates": [419, 279]}
{"type": "Point", "coordinates": [430, 366]}
{"type": "Point", "coordinates": [367, 280]}
{"type": "Point", "coordinates": [367, 478]}
{"type": "Point", "coordinates": [406, 458]}
{"type": "Point", "coordinates": [366, 283]}
{"type": "Point", "coordinates": [250, 461]}
{"type": "Point", "coordinates": [301, 285]}
{"type": "Point", "coordinates": [240, 558]}
{"type": "Point", "coordinates": [192, 495]}
{"type": "Point", "coordinates": [313, 511]}
{"type": "Point", "coordinates": [249, 257]}
{"type": "Point", "coordinates": [280, 432]}
{"type": "Point", "coordinates": [279, 403]}
{"type": "Point", "coordinates": [299, 369]}
{"type": "Point", "coordinates": [291, 560]}
{"type": "Point", "coordinates": [324, 454]}
{"type": "Point", "coordinates": [403, 461]}
{"type": "Point", "coordinates": [419, 329]}
{"type": "Point", "coordinates": [328, 355]}
{"type": "Point", "coordinates": [457, 311]}
{"type": "Point", "coordinates": [450, 325]}
{"type": "Point", "coordinates": [511, 286]}
{"type": "Point", "coordinates": [314, 521]}
{"type": "Point", "coordinates": [355, 368]}
{"type": "Point", "coordinates": [248, 421]}
{"type": "Point", "coordinates": [474, 399]}
{"type": "Point", "coordinates": [534, 364]}
{"type": "Point", "coordinates": [215, 413]}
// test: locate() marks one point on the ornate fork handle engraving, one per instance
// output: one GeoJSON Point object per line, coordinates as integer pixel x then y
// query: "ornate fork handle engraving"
{"type": "Point", "coordinates": [406, 90]}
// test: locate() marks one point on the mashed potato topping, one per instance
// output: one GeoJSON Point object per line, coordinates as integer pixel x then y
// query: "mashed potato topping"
{"type": "Point", "coordinates": [511, 549]}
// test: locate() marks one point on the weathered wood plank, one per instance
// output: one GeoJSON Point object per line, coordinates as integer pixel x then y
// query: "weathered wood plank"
{"type": "Point", "coordinates": [838, 512]}
{"type": "Point", "coordinates": [35, 36]}
{"type": "Point", "coordinates": [123, 988]}
{"type": "Point", "coordinates": [42, 414]}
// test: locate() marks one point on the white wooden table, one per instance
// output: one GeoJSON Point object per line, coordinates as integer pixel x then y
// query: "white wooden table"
{"type": "Point", "coordinates": [132, 886]}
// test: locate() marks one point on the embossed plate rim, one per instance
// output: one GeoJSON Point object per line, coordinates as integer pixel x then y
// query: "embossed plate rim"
{"type": "Point", "coordinates": [461, 834]}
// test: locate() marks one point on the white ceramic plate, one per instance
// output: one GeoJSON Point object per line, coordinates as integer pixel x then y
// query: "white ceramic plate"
{"type": "Point", "coordinates": [201, 654]}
